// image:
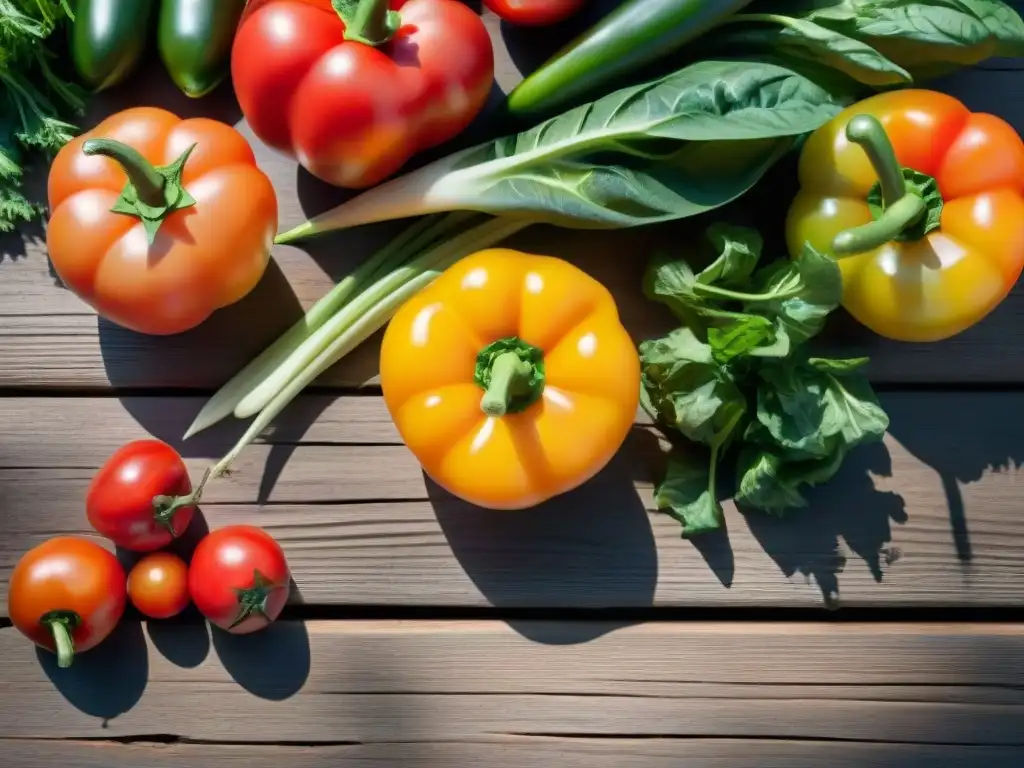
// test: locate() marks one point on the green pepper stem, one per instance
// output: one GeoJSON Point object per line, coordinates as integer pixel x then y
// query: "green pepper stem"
{"type": "Point", "coordinates": [371, 23]}
{"type": "Point", "coordinates": [509, 374]}
{"type": "Point", "coordinates": [867, 132]}
{"type": "Point", "coordinates": [897, 217]}
{"type": "Point", "coordinates": [140, 172]}
{"type": "Point", "coordinates": [61, 624]}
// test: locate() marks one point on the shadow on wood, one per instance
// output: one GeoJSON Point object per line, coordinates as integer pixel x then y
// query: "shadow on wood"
{"type": "Point", "coordinates": [184, 641]}
{"type": "Point", "coordinates": [108, 680]}
{"type": "Point", "coordinates": [272, 663]}
{"type": "Point", "coordinates": [810, 541]}
{"type": "Point", "coordinates": [960, 444]}
{"type": "Point", "coordinates": [518, 558]}
{"type": "Point", "coordinates": [227, 341]}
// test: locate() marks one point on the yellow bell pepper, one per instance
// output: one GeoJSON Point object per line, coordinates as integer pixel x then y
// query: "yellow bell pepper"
{"type": "Point", "coordinates": [511, 378]}
{"type": "Point", "coordinates": [922, 202]}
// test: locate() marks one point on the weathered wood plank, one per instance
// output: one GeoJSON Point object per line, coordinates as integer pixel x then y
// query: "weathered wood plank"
{"type": "Point", "coordinates": [386, 682]}
{"type": "Point", "coordinates": [48, 338]}
{"type": "Point", "coordinates": [930, 518]}
{"type": "Point", "coordinates": [521, 752]}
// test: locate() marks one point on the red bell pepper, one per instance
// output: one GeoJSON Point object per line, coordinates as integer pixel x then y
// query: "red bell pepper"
{"type": "Point", "coordinates": [354, 88]}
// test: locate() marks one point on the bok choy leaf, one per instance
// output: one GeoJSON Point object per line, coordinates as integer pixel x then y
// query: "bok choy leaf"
{"type": "Point", "coordinates": [637, 156]}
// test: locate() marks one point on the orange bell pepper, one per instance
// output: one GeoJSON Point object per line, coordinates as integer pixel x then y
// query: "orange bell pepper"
{"type": "Point", "coordinates": [922, 202]}
{"type": "Point", "coordinates": [156, 222]}
{"type": "Point", "coordinates": [510, 378]}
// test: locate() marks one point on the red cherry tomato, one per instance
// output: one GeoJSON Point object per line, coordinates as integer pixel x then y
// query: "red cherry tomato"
{"type": "Point", "coordinates": [534, 13]}
{"type": "Point", "coordinates": [353, 113]}
{"type": "Point", "coordinates": [66, 595]}
{"type": "Point", "coordinates": [239, 578]}
{"type": "Point", "coordinates": [139, 498]}
{"type": "Point", "coordinates": [158, 585]}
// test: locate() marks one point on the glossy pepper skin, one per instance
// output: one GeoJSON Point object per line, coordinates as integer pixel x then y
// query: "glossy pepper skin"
{"type": "Point", "coordinates": [194, 40]}
{"type": "Point", "coordinates": [354, 94]}
{"type": "Point", "coordinates": [510, 378]}
{"type": "Point", "coordinates": [108, 38]}
{"type": "Point", "coordinates": [156, 222]}
{"type": "Point", "coordinates": [915, 272]}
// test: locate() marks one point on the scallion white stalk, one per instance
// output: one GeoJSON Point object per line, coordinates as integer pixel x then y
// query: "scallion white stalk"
{"type": "Point", "coordinates": [427, 268]}
{"type": "Point", "coordinates": [389, 284]}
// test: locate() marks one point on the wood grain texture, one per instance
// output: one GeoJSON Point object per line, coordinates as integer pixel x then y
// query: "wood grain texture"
{"type": "Point", "coordinates": [48, 338]}
{"type": "Point", "coordinates": [930, 518]}
{"type": "Point", "coordinates": [514, 752]}
{"type": "Point", "coordinates": [384, 683]}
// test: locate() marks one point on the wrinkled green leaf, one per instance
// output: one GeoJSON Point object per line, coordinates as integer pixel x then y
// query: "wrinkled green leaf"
{"type": "Point", "coordinates": [738, 250]}
{"type": "Point", "coordinates": [837, 366]}
{"type": "Point", "coordinates": [800, 293]}
{"type": "Point", "coordinates": [741, 337]}
{"type": "Point", "coordinates": [687, 493]}
{"type": "Point", "coordinates": [791, 407]}
{"type": "Point", "coordinates": [684, 388]}
{"type": "Point", "coordinates": [769, 482]}
{"type": "Point", "coordinates": [852, 403]}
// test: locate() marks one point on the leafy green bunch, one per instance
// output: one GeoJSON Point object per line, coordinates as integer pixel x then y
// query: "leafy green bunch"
{"type": "Point", "coordinates": [737, 374]}
{"type": "Point", "coordinates": [34, 100]}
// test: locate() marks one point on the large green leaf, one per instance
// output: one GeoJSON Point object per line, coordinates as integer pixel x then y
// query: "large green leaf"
{"type": "Point", "coordinates": [655, 152]}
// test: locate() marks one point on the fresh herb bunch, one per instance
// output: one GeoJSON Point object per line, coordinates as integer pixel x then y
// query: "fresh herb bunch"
{"type": "Point", "coordinates": [737, 374]}
{"type": "Point", "coordinates": [34, 101]}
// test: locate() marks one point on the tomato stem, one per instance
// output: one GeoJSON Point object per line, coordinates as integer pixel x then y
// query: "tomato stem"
{"type": "Point", "coordinates": [152, 192]}
{"type": "Point", "coordinates": [370, 22]}
{"type": "Point", "coordinates": [61, 625]}
{"type": "Point", "coordinates": [166, 507]}
{"type": "Point", "coordinates": [511, 373]}
{"type": "Point", "coordinates": [253, 600]}
{"type": "Point", "coordinates": [867, 131]}
{"type": "Point", "coordinates": [882, 230]}
{"type": "Point", "coordinates": [140, 172]}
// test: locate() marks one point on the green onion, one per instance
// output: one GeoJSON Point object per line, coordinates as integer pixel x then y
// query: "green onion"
{"type": "Point", "coordinates": [340, 322]}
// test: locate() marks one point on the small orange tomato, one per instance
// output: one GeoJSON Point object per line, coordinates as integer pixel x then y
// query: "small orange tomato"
{"type": "Point", "coordinates": [158, 585]}
{"type": "Point", "coordinates": [511, 378]}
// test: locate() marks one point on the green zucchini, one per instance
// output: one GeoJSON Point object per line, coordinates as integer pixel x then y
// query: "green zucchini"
{"type": "Point", "coordinates": [635, 34]}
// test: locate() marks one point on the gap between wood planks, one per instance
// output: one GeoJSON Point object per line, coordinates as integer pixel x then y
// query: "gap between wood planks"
{"type": "Point", "coordinates": [680, 615]}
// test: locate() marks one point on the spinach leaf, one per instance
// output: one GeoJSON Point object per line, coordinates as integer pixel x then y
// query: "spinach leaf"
{"type": "Point", "coordinates": [743, 341]}
{"type": "Point", "coordinates": [738, 249]}
{"type": "Point", "coordinates": [684, 388]}
{"type": "Point", "coordinates": [791, 409]}
{"type": "Point", "coordinates": [672, 281]}
{"type": "Point", "coordinates": [839, 367]}
{"type": "Point", "coordinates": [687, 493]}
{"type": "Point", "coordinates": [742, 337]}
{"type": "Point", "coordinates": [800, 293]}
{"type": "Point", "coordinates": [851, 403]}
{"type": "Point", "coordinates": [769, 482]}
{"type": "Point", "coordinates": [633, 157]}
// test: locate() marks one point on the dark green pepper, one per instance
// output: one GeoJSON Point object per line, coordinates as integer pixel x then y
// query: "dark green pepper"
{"type": "Point", "coordinates": [107, 39]}
{"type": "Point", "coordinates": [194, 39]}
{"type": "Point", "coordinates": [637, 33]}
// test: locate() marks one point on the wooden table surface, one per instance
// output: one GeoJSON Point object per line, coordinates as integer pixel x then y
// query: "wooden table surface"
{"type": "Point", "coordinates": [586, 632]}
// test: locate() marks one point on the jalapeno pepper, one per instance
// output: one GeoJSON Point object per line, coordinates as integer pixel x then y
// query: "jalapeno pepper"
{"type": "Point", "coordinates": [922, 202]}
{"type": "Point", "coordinates": [108, 38]}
